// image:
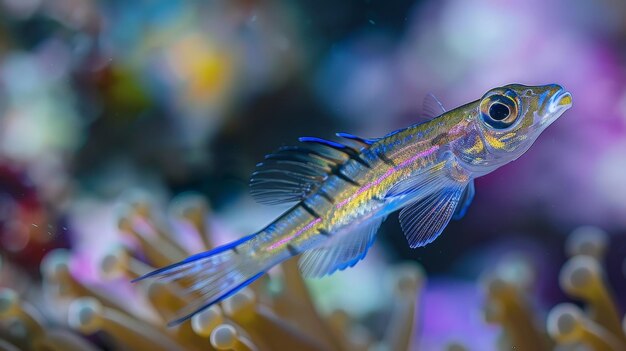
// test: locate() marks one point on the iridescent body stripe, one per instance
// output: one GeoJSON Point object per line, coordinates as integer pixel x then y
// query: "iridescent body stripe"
{"type": "Point", "coordinates": [393, 158]}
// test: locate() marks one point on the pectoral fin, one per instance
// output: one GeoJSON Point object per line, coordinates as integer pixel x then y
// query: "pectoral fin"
{"type": "Point", "coordinates": [423, 221]}
{"type": "Point", "coordinates": [465, 201]}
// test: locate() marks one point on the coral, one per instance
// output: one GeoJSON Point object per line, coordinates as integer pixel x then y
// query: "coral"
{"type": "Point", "coordinates": [107, 312]}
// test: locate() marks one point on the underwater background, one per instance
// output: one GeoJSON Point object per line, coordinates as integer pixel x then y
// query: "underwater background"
{"type": "Point", "coordinates": [128, 131]}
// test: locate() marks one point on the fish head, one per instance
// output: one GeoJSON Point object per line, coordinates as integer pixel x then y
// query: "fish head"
{"type": "Point", "coordinates": [510, 118]}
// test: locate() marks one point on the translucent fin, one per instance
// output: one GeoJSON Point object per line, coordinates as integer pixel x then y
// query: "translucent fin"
{"type": "Point", "coordinates": [209, 277]}
{"type": "Point", "coordinates": [424, 220]}
{"type": "Point", "coordinates": [289, 175]}
{"type": "Point", "coordinates": [332, 144]}
{"type": "Point", "coordinates": [465, 201]}
{"type": "Point", "coordinates": [432, 107]}
{"type": "Point", "coordinates": [293, 172]}
{"type": "Point", "coordinates": [351, 152]}
{"type": "Point", "coordinates": [340, 252]}
{"type": "Point", "coordinates": [363, 141]}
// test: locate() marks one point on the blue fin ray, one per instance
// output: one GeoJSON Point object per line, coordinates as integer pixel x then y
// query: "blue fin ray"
{"type": "Point", "coordinates": [363, 141]}
{"type": "Point", "coordinates": [465, 201]}
{"type": "Point", "coordinates": [211, 276]}
{"type": "Point", "coordinates": [195, 257]}
{"type": "Point", "coordinates": [208, 304]}
{"type": "Point", "coordinates": [293, 172]}
{"type": "Point", "coordinates": [332, 144]}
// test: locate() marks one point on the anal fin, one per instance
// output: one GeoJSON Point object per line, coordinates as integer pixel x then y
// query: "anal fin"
{"type": "Point", "coordinates": [344, 250]}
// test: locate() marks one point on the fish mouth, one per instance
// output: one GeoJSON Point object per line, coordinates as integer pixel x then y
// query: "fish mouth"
{"type": "Point", "coordinates": [562, 99]}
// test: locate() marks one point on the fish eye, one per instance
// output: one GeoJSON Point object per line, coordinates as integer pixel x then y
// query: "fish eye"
{"type": "Point", "coordinates": [498, 111]}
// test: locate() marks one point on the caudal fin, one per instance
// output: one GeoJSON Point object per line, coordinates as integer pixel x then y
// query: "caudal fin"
{"type": "Point", "coordinates": [209, 277]}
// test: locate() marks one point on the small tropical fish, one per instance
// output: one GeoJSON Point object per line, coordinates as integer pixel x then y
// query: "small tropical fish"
{"type": "Point", "coordinates": [343, 192]}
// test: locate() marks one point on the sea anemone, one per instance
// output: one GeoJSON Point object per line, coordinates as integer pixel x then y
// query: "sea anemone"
{"type": "Point", "coordinates": [597, 327]}
{"type": "Point", "coordinates": [275, 313]}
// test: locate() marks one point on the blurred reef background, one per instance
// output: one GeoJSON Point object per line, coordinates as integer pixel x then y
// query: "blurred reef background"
{"type": "Point", "coordinates": [128, 130]}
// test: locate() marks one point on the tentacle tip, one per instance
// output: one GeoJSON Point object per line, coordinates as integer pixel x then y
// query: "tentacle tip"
{"type": "Point", "coordinates": [206, 321]}
{"type": "Point", "coordinates": [114, 263]}
{"type": "Point", "coordinates": [578, 274]}
{"type": "Point", "coordinates": [224, 337]}
{"type": "Point", "coordinates": [189, 204]}
{"type": "Point", "coordinates": [410, 277]}
{"type": "Point", "coordinates": [242, 302]}
{"type": "Point", "coordinates": [587, 240]}
{"type": "Point", "coordinates": [9, 302]}
{"type": "Point", "coordinates": [55, 263]}
{"type": "Point", "coordinates": [84, 314]}
{"type": "Point", "coordinates": [564, 322]}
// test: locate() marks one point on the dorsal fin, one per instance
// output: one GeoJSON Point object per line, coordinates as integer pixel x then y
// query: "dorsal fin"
{"type": "Point", "coordinates": [362, 141]}
{"type": "Point", "coordinates": [293, 172]}
{"type": "Point", "coordinates": [432, 107]}
{"type": "Point", "coordinates": [351, 152]}
{"type": "Point", "coordinates": [332, 144]}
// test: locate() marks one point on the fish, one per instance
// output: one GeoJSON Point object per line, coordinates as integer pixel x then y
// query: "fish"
{"type": "Point", "coordinates": [342, 192]}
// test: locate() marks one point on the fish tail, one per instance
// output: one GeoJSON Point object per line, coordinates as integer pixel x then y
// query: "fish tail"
{"type": "Point", "coordinates": [209, 277]}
